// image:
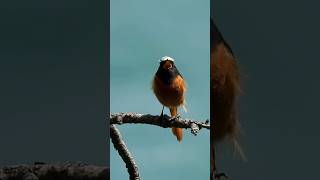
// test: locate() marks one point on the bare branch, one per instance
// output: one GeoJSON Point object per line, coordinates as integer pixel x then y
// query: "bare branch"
{"type": "Point", "coordinates": [135, 118]}
{"type": "Point", "coordinates": [165, 121]}
{"type": "Point", "coordinates": [123, 151]}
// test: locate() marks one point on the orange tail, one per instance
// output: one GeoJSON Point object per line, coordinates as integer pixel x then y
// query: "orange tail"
{"type": "Point", "coordinates": [176, 131]}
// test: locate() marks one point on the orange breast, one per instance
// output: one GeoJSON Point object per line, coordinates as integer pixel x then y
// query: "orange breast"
{"type": "Point", "coordinates": [171, 95]}
{"type": "Point", "coordinates": [224, 91]}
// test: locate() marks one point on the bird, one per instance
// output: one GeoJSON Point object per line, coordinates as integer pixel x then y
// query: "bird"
{"type": "Point", "coordinates": [224, 90]}
{"type": "Point", "coordinates": [169, 88]}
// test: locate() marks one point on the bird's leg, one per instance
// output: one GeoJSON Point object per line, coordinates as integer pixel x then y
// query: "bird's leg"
{"type": "Point", "coordinates": [161, 115]}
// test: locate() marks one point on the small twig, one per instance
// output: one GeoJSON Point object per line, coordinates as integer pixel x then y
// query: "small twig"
{"type": "Point", "coordinates": [165, 121]}
{"type": "Point", "coordinates": [123, 151]}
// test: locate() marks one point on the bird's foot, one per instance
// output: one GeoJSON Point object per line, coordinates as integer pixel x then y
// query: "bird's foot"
{"type": "Point", "coordinates": [175, 118]}
{"type": "Point", "coordinates": [220, 176]}
{"type": "Point", "coordinates": [161, 115]}
{"type": "Point", "coordinates": [161, 118]}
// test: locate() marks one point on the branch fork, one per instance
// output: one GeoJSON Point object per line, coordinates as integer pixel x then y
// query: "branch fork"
{"type": "Point", "coordinates": [164, 121]}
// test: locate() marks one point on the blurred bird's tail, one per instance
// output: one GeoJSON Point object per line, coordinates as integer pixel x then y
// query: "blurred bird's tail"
{"type": "Point", "coordinates": [238, 149]}
{"type": "Point", "coordinates": [234, 139]}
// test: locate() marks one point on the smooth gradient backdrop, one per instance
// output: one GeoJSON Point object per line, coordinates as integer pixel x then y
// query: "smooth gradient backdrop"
{"type": "Point", "coordinates": [141, 33]}
{"type": "Point", "coordinates": [277, 46]}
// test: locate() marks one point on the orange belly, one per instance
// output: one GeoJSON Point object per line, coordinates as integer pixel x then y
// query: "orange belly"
{"type": "Point", "coordinates": [169, 95]}
{"type": "Point", "coordinates": [224, 91]}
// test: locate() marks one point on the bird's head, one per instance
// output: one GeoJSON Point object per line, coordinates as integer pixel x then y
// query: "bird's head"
{"type": "Point", "coordinates": [167, 63]}
{"type": "Point", "coordinates": [167, 71]}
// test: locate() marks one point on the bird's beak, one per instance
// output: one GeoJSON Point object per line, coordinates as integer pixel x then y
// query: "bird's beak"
{"type": "Point", "coordinates": [167, 65]}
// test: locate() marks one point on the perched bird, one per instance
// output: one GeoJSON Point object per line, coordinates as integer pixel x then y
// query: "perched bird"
{"type": "Point", "coordinates": [169, 87]}
{"type": "Point", "coordinates": [224, 89]}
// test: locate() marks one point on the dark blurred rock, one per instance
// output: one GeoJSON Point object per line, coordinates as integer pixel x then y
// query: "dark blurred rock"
{"type": "Point", "coordinates": [57, 171]}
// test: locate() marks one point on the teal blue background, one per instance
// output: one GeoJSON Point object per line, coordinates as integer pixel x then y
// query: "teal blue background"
{"type": "Point", "coordinates": [141, 33]}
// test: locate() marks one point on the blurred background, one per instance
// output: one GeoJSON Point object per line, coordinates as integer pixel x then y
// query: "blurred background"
{"type": "Point", "coordinates": [53, 82]}
{"type": "Point", "coordinates": [141, 33]}
{"type": "Point", "coordinates": [277, 45]}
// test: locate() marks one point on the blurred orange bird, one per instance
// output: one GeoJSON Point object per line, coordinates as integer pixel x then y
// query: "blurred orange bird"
{"type": "Point", "coordinates": [225, 88]}
{"type": "Point", "coordinates": [169, 87]}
